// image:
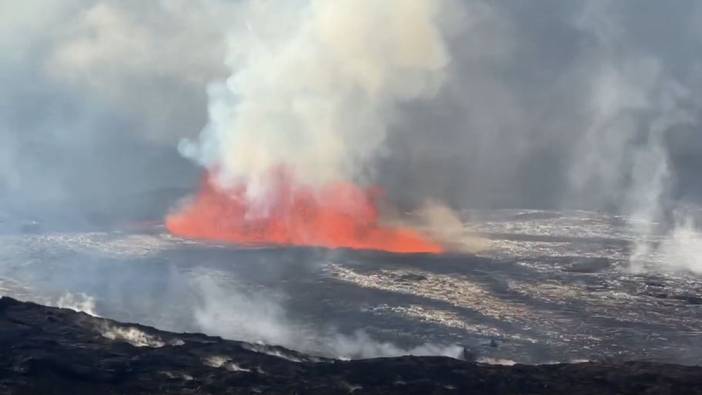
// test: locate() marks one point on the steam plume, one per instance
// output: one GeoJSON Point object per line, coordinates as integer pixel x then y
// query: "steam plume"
{"type": "Point", "coordinates": [312, 88]}
{"type": "Point", "coordinates": [305, 111]}
{"type": "Point", "coordinates": [635, 104]}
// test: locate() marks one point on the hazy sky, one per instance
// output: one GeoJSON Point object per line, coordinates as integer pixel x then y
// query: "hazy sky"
{"type": "Point", "coordinates": [547, 104]}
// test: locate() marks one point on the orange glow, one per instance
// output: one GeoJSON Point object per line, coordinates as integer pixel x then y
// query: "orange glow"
{"type": "Point", "coordinates": [340, 215]}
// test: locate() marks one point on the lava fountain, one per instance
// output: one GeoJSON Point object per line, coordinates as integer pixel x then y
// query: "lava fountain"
{"type": "Point", "coordinates": [313, 89]}
{"type": "Point", "coordinates": [338, 215]}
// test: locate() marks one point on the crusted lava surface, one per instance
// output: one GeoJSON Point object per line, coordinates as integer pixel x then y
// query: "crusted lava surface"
{"type": "Point", "coordinates": [47, 350]}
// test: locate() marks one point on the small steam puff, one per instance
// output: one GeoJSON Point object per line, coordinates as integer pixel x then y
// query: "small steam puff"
{"type": "Point", "coordinates": [313, 88]}
{"type": "Point", "coordinates": [134, 336]}
{"type": "Point", "coordinates": [682, 248]}
{"type": "Point", "coordinates": [77, 302]}
{"type": "Point", "coordinates": [130, 335]}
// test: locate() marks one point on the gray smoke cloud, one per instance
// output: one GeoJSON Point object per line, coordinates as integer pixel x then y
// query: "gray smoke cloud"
{"type": "Point", "coordinates": [95, 96]}
{"type": "Point", "coordinates": [551, 100]}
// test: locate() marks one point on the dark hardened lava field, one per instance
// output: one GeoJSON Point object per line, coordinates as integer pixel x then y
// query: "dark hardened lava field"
{"type": "Point", "coordinates": [59, 351]}
{"type": "Point", "coordinates": [553, 287]}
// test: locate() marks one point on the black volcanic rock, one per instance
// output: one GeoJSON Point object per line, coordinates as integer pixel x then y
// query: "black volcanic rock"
{"type": "Point", "coordinates": [45, 350]}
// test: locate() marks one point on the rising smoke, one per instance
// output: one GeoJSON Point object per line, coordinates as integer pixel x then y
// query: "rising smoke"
{"type": "Point", "coordinates": [314, 87]}
{"type": "Point", "coordinates": [298, 124]}
{"type": "Point", "coordinates": [623, 160]}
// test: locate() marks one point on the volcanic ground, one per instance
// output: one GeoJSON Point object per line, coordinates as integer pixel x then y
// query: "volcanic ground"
{"type": "Point", "coordinates": [59, 351]}
{"type": "Point", "coordinates": [550, 287]}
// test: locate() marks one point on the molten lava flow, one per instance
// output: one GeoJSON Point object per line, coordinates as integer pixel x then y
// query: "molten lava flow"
{"type": "Point", "coordinates": [339, 215]}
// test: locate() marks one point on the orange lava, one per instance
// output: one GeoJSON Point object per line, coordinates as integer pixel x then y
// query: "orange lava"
{"type": "Point", "coordinates": [341, 215]}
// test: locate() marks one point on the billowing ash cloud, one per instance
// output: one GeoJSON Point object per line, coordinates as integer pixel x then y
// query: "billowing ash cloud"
{"type": "Point", "coordinates": [315, 85]}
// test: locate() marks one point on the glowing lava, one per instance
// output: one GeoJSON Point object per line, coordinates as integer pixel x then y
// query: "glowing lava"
{"type": "Point", "coordinates": [340, 215]}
